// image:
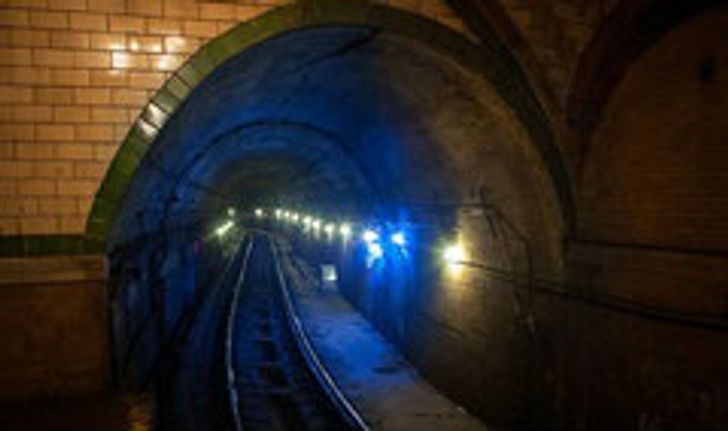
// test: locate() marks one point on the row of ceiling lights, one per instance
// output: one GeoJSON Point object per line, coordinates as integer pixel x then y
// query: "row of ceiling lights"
{"type": "Point", "coordinates": [452, 253]}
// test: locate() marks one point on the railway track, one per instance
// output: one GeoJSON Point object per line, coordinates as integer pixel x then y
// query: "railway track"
{"type": "Point", "coordinates": [274, 378]}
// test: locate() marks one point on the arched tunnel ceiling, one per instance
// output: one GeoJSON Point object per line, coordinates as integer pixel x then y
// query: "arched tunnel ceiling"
{"type": "Point", "coordinates": [267, 161]}
{"type": "Point", "coordinates": [340, 118]}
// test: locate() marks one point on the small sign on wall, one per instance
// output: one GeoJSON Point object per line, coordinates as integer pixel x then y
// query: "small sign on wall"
{"type": "Point", "coordinates": [329, 277]}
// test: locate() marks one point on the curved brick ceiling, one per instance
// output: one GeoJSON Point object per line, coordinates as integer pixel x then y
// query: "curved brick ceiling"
{"type": "Point", "coordinates": [341, 119]}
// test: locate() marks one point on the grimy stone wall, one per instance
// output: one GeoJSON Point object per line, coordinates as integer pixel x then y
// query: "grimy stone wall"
{"type": "Point", "coordinates": [74, 75]}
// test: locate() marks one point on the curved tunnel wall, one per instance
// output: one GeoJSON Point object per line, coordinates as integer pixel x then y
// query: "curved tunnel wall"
{"type": "Point", "coordinates": [494, 62]}
{"type": "Point", "coordinates": [377, 123]}
{"type": "Point", "coordinates": [409, 145]}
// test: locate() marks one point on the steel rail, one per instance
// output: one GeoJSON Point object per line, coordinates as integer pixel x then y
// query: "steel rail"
{"type": "Point", "coordinates": [342, 404]}
{"type": "Point", "coordinates": [229, 333]}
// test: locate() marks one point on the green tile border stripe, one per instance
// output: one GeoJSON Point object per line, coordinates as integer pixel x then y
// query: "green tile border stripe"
{"type": "Point", "coordinates": [48, 245]}
{"type": "Point", "coordinates": [495, 63]}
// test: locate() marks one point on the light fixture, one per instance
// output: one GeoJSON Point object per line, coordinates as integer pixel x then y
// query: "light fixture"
{"type": "Point", "coordinates": [259, 212]}
{"type": "Point", "coordinates": [453, 253]}
{"type": "Point", "coordinates": [398, 238]}
{"type": "Point", "coordinates": [370, 236]}
{"type": "Point", "coordinates": [374, 251]}
{"type": "Point", "coordinates": [329, 229]}
{"type": "Point", "coordinates": [224, 228]}
{"type": "Point", "coordinates": [345, 230]}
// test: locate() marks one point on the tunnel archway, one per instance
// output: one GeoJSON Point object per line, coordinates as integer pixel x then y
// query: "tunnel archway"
{"type": "Point", "coordinates": [636, 26]}
{"type": "Point", "coordinates": [495, 64]}
{"type": "Point", "coordinates": [367, 114]}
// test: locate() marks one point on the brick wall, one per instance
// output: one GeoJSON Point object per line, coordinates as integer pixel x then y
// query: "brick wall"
{"type": "Point", "coordinates": [653, 229]}
{"type": "Point", "coordinates": [74, 74]}
{"type": "Point", "coordinates": [655, 172]}
{"type": "Point", "coordinates": [557, 32]}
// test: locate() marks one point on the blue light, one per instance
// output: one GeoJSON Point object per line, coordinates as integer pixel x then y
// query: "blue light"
{"type": "Point", "coordinates": [398, 238]}
{"type": "Point", "coordinates": [374, 250]}
{"type": "Point", "coordinates": [369, 236]}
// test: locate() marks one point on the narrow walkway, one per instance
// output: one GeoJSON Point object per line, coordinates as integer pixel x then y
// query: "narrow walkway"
{"type": "Point", "coordinates": [383, 386]}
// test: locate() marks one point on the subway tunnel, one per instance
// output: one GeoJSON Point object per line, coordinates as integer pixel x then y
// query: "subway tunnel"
{"type": "Point", "coordinates": [361, 124]}
{"type": "Point", "coordinates": [538, 251]}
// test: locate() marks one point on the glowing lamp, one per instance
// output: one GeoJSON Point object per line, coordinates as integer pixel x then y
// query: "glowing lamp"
{"type": "Point", "coordinates": [345, 230]}
{"type": "Point", "coordinates": [370, 236]}
{"type": "Point", "coordinates": [453, 253]}
{"type": "Point", "coordinates": [398, 238]}
{"type": "Point", "coordinates": [224, 228]}
{"type": "Point", "coordinates": [374, 250]}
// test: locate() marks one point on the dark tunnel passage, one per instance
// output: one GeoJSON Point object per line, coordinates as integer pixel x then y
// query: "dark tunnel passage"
{"type": "Point", "coordinates": [361, 125]}
{"type": "Point", "coordinates": [368, 132]}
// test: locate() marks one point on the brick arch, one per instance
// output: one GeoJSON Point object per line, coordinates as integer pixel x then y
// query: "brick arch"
{"type": "Point", "coordinates": [496, 65]}
{"type": "Point", "coordinates": [631, 28]}
{"type": "Point", "coordinates": [492, 24]}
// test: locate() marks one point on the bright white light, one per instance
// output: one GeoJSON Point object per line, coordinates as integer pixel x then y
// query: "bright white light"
{"type": "Point", "coordinates": [295, 217]}
{"type": "Point", "coordinates": [286, 215]}
{"type": "Point", "coordinates": [370, 236]}
{"type": "Point", "coordinates": [259, 212]}
{"type": "Point", "coordinates": [329, 229]}
{"type": "Point", "coordinates": [231, 212]}
{"type": "Point", "coordinates": [224, 228]}
{"type": "Point", "coordinates": [345, 230]}
{"type": "Point", "coordinates": [328, 273]}
{"type": "Point", "coordinates": [316, 224]}
{"type": "Point", "coordinates": [279, 213]}
{"type": "Point", "coordinates": [307, 221]}
{"type": "Point", "coordinates": [399, 239]}
{"type": "Point", "coordinates": [454, 253]}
